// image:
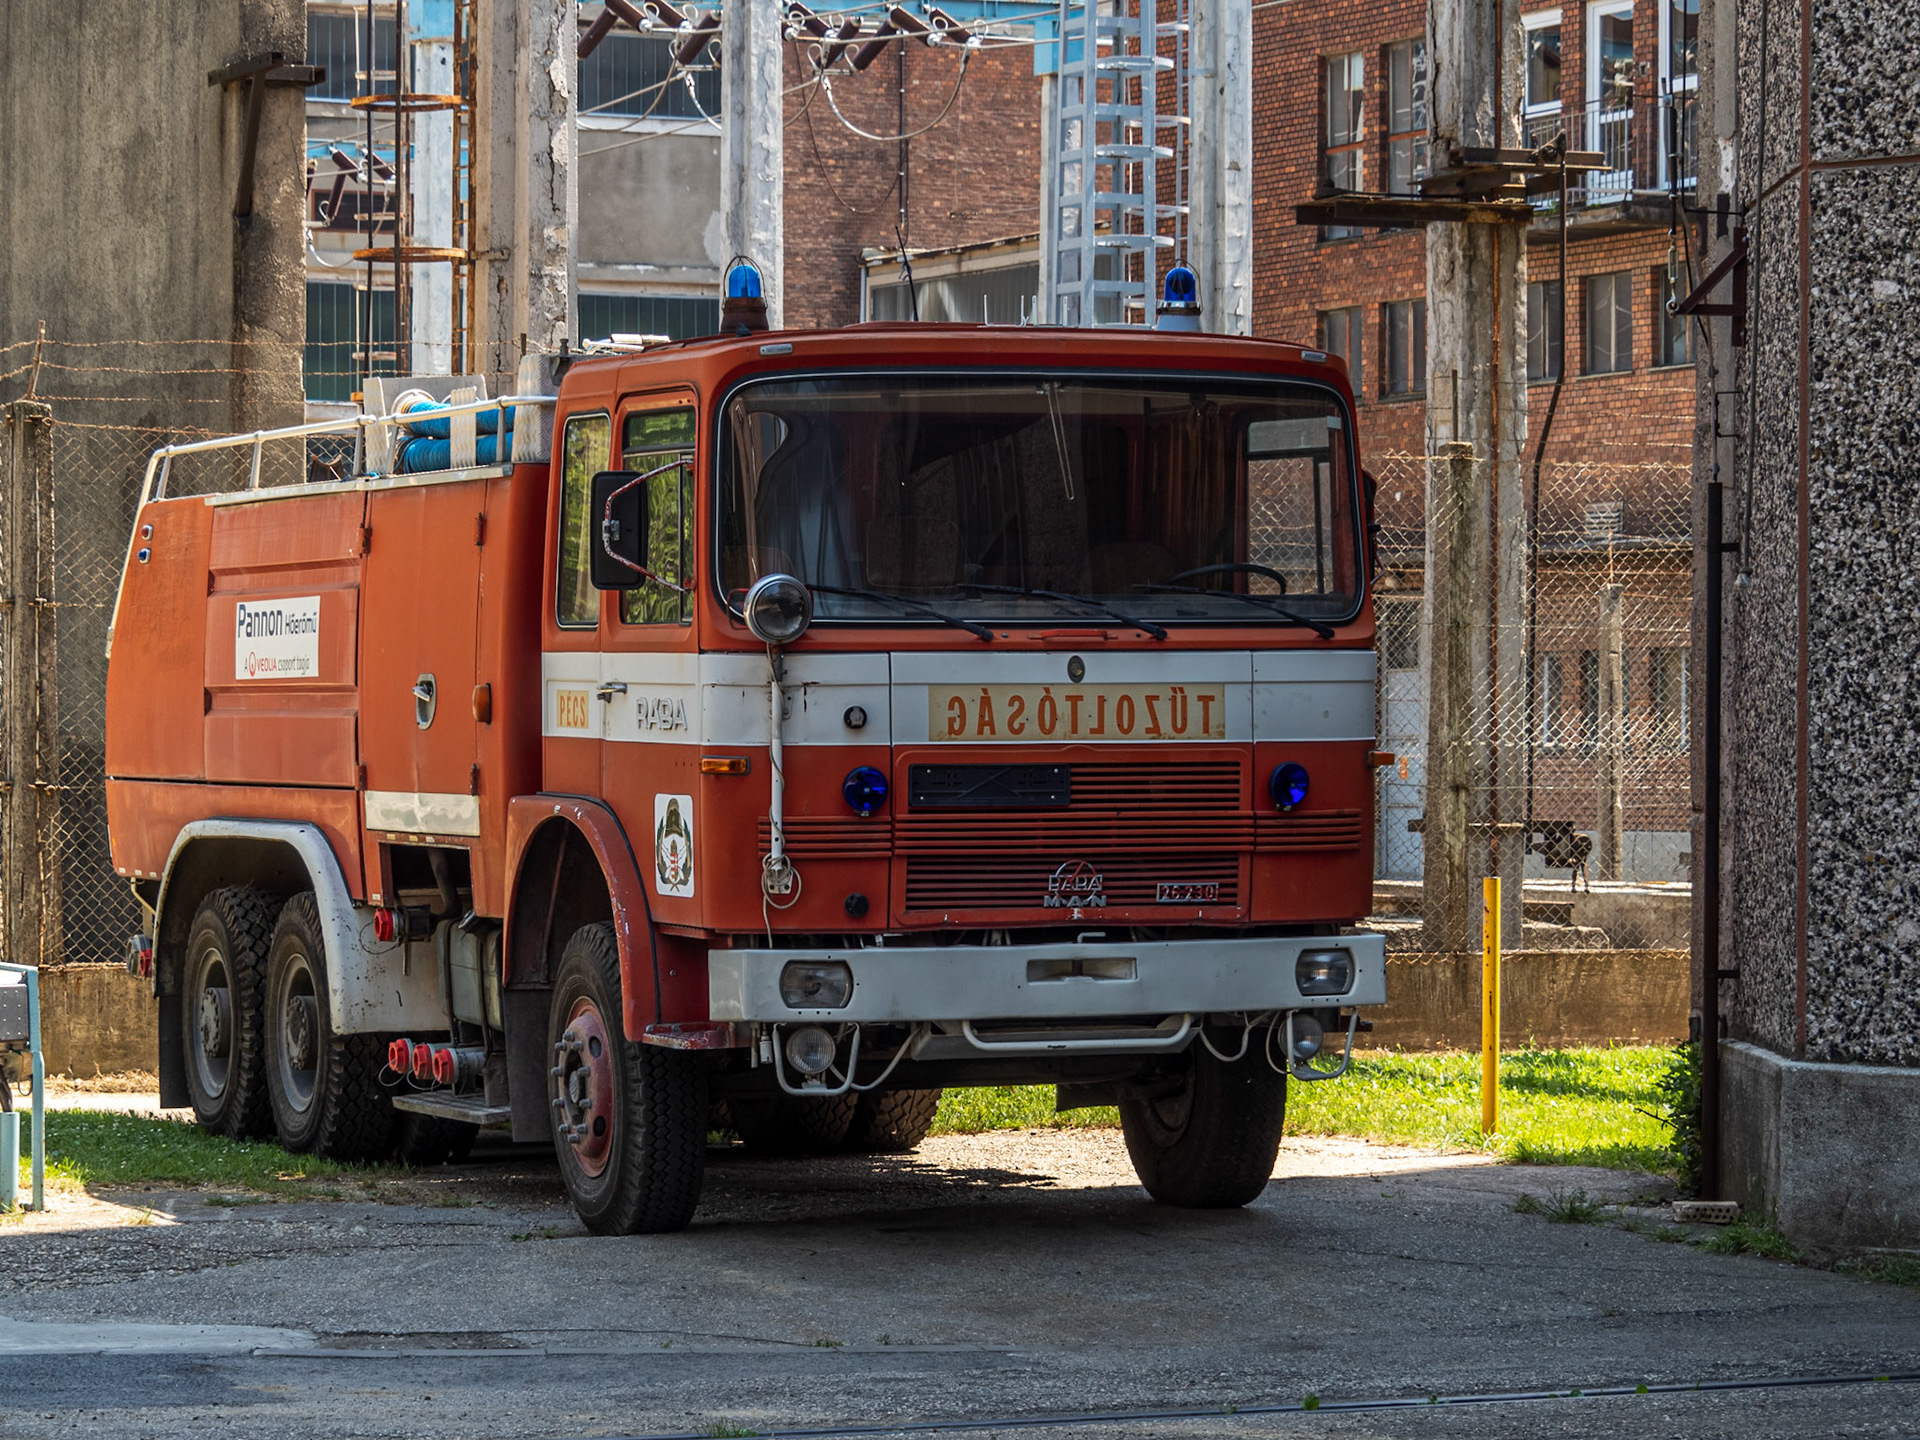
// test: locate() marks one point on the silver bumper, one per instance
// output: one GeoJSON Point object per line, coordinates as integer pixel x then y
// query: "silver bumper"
{"type": "Point", "coordinates": [905, 984]}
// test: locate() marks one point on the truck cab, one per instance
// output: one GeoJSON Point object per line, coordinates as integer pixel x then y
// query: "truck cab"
{"type": "Point", "coordinates": [782, 728]}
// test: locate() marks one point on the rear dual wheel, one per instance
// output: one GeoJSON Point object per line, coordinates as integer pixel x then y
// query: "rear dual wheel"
{"type": "Point", "coordinates": [889, 1122]}
{"type": "Point", "coordinates": [222, 1016]}
{"type": "Point", "coordinates": [324, 1087]}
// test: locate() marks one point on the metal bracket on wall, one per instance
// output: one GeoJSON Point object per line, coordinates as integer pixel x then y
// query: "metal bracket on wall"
{"type": "Point", "coordinates": [259, 71]}
{"type": "Point", "coordinates": [1697, 303]}
{"type": "Point", "coordinates": [1478, 185]}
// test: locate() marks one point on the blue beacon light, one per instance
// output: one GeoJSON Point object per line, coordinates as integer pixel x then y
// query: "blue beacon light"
{"type": "Point", "coordinates": [1288, 785]}
{"type": "Point", "coordinates": [743, 282]}
{"type": "Point", "coordinates": [865, 789]}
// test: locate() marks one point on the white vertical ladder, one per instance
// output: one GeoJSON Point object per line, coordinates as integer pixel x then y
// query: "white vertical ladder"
{"type": "Point", "coordinates": [1122, 133]}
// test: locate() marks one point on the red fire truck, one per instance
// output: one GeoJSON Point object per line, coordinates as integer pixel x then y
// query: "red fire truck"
{"type": "Point", "coordinates": [760, 732]}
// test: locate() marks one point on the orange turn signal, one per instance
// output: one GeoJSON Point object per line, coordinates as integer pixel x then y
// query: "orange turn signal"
{"type": "Point", "coordinates": [724, 765]}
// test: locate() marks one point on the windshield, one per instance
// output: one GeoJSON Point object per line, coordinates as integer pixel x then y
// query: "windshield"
{"type": "Point", "coordinates": [1165, 500]}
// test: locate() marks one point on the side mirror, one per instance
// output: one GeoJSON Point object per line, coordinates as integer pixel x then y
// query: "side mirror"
{"type": "Point", "coordinates": [617, 531]}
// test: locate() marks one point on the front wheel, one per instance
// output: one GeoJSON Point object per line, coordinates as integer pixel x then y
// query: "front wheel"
{"type": "Point", "coordinates": [1208, 1140]}
{"type": "Point", "coordinates": [629, 1121]}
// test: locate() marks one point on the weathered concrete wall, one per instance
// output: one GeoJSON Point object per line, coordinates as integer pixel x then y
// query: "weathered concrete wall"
{"type": "Point", "coordinates": [1816, 1147]}
{"type": "Point", "coordinates": [1547, 998]}
{"type": "Point", "coordinates": [118, 170]}
{"type": "Point", "coordinates": [658, 198]}
{"type": "Point", "coordinates": [97, 1020]}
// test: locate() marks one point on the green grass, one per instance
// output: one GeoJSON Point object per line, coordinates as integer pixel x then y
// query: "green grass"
{"type": "Point", "coordinates": [1557, 1107]}
{"type": "Point", "coordinates": [1746, 1238]}
{"type": "Point", "coordinates": [1564, 1207]}
{"type": "Point", "coordinates": [92, 1148]}
{"type": "Point", "coordinates": [1887, 1269]}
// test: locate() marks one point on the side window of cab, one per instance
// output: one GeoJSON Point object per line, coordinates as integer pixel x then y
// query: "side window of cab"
{"type": "Point", "coordinates": [659, 443]}
{"type": "Point", "coordinates": [585, 448]}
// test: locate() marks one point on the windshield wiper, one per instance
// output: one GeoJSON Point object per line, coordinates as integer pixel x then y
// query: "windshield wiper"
{"type": "Point", "coordinates": [1319, 627]}
{"type": "Point", "coordinates": [919, 607]}
{"type": "Point", "coordinates": [1158, 632]}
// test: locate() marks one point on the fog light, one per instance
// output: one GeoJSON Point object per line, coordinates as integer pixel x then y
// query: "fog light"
{"type": "Point", "coordinates": [865, 789]}
{"type": "Point", "coordinates": [1323, 972]}
{"type": "Point", "coordinates": [815, 984]}
{"type": "Point", "coordinates": [1305, 1037]}
{"type": "Point", "coordinates": [810, 1049]}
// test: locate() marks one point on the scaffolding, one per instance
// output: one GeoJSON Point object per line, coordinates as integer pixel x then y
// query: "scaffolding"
{"type": "Point", "coordinates": [1122, 132]}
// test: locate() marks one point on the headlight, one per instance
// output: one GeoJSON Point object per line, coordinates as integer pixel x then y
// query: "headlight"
{"type": "Point", "coordinates": [815, 984]}
{"type": "Point", "coordinates": [865, 789]}
{"type": "Point", "coordinates": [778, 609]}
{"type": "Point", "coordinates": [810, 1050]}
{"type": "Point", "coordinates": [1323, 972]}
{"type": "Point", "coordinates": [1288, 785]}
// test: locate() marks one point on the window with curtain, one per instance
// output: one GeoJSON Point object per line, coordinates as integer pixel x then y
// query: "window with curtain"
{"type": "Point", "coordinates": [1609, 317]}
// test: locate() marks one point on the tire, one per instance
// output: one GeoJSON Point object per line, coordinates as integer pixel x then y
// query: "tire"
{"type": "Point", "coordinates": [325, 1087]}
{"type": "Point", "coordinates": [1210, 1144]}
{"type": "Point", "coordinates": [221, 1015]}
{"type": "Point", "coordinates": [629, 1121]}
{"type": "Point", "coordinates": [788, 1125]}
{"type": "Point", "coordinates": [423, 1141]}
{"type": "Point", "coordinates": [891, 1122]}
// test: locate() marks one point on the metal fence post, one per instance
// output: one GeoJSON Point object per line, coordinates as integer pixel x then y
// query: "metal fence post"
{"type": "Point", "coordinates": [27, 651]}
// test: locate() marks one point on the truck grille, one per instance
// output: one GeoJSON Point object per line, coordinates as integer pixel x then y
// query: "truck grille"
{"type": "Point", "coordinates": [1137, 824]}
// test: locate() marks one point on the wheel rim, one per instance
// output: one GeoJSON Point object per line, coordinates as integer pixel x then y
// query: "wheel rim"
{"type": "Point", "coordinates": [296, 1016]}
{"type": "Point", "coordinates": [210, 1023]}
{"type": "Point", "coordinates": [582, 1077]}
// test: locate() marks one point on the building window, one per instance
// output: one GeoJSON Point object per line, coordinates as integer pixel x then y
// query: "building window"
{"type": "Point", "coordinates": [1667, 681]}
{"type": "Point", "coordinates": [1406, 115]}
{"type": "Point", "coordinates": [1340, 335]}
{"type": "Point", "coordinates": [1405, 322]}
{"type": "Point", "coordinates": [1674, 333]}
{"type": "Point", "coordinates": [1545, 340]}
{"type": "Point", "coordinates": [1543, 77]}
{"type": "Point", "coordinates": [1550, 700]}
{"type": "Point", "coordinates": [1679, 87]}
{"type": "Point", "coordinates": [1345, 157]}
{"type": "Point", "coordinates": [1609, 323]}
{"type": "Point", "coordinates": [678, 317]}
{"type": "Point", "coordinates": [629, 76]}
{"type": "Point", "coordinates": [337, 40]}
{"type": "Point", "coordinates": [1610, 92]}
{"type": "Point", "coordinates": [333, 357]}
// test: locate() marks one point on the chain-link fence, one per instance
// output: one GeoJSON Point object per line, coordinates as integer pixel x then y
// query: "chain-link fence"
{"type": "Point", "coordinates": [1555, 651]}
{"type": "Point", "coordinates": [69, 485]}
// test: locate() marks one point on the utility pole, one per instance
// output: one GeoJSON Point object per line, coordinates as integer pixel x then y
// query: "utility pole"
{"type": "Point", "coordinates": [752, 144]}
{"type": "Point", "coordinates": [525, 179]}
{"type": "Point", "coordinates": [1476, 327]}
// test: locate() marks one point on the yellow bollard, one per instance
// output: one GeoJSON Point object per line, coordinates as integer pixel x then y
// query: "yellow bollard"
{"type": "Point", "coordinates": [1490, 1005]}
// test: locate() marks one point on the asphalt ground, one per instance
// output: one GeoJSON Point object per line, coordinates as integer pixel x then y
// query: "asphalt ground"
{"type": "Point", "coordinates": [1018, 1283]}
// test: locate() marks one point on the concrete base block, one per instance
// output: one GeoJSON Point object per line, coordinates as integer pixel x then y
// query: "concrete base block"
{"type": "Point", "coordinates": [1549, 998]}
{"type": "Point", "coordinates": [97, 1020]}
{"type": "Point", "coordinates": [1831, 1152]}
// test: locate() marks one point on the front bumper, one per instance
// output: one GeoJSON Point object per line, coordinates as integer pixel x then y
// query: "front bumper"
{"type": "Point", "coordinates": [1077, 981]}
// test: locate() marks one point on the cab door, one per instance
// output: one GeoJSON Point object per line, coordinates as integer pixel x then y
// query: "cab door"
{"type": "Point", "coordinates": [421, 594]}
{"type": "Point", "coordinates": [650, 720]}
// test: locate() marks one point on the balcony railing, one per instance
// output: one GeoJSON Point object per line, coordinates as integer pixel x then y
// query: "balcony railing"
{"type": "Point", "coordinates": [1648, 146]}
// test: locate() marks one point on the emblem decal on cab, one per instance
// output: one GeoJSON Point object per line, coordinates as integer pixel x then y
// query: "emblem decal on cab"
{"type": "Point", "coordinates": [673, 844]}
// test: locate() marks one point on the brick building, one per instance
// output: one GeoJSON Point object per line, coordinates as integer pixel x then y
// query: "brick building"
{"type": "Point", "coordinates": [1340, 104]}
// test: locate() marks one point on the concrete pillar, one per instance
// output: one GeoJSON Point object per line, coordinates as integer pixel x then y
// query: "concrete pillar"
{"type": "Point", "coordinates": [1220, 165]}
{"type": "Point", "coordinates": [431, 24]}
{"type": "Point", "coordinates": [752, 143]}
{"type": "Point", "coordinates": [29, 859]}
{"type": "Point", "coordinates": [1476, 361]}
{"type": "Point", "coordinates": [526, 193]}
{"type": "Point", "coordinates": [1609, 850]}
{"type": "Point", "coordinates": [1821, 699]}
